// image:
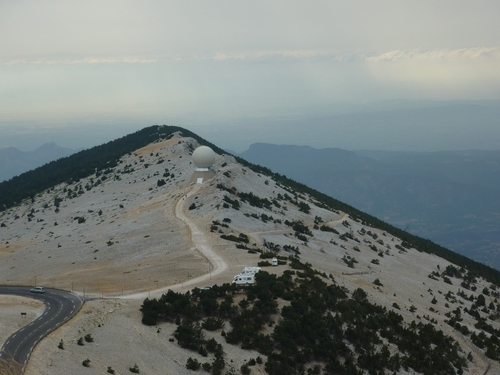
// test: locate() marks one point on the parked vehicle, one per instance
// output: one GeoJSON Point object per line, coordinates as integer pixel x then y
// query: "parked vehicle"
{"type": "Point", "coordinates": [275, 262]}
{"type": "Point", "coordinates": [250, 270]}
{"type": "Point", "coordinates": [247, 276]}
{"type": "Point", "coordinates": [37, 289]}
{"type": "Point", "coordinates": [244, 279]}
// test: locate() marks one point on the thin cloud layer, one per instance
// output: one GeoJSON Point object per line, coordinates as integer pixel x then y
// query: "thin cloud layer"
{"type": "Point", "coordinates": [441, 54]}
{"type": "Point", "coordinates": [84, 61]}
{"type": "Point", "coordinates": [225, 59]}
{"type": "Point", "coordinates": [492, 53]}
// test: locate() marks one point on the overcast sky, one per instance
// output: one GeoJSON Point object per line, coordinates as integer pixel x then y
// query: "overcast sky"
{"type": "Point", "coordinates": [201, 64]}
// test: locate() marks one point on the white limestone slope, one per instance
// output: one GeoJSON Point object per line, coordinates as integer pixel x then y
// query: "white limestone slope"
{"type": "Point", "coordinates": [140, 239]}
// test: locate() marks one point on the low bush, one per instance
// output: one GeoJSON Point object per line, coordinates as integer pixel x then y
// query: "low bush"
{"type": "Point", "coordinates": [192, 364]}
{"type": "Point", "coordinates": [212, 324]}
{"type": "Point", "coordinates": [134, 369]}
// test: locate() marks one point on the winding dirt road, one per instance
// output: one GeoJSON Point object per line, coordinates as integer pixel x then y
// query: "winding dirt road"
{"type": "Point", "coordinates": [200, 243]}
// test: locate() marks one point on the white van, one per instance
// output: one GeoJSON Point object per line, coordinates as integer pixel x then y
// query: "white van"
{"type": "Point", "coordinates": [250, 270]}
{"type": "Point", "coordinates": [247, 276]}
{"type": "Point", "coordinates": [275, 262]}
{"type": "Point", "coordinates": [244, 279]}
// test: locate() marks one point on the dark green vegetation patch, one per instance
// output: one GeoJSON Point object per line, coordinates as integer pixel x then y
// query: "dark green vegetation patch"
{"type": "Point", "coordinates": [319, 329]}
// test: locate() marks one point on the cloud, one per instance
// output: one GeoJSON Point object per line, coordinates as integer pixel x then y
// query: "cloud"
{"type": "Point", "coordinates": [438, 54]}
{"type": "Point", "coordinates": [278, 55]}
{"type": "Point", "coordinates": [440, 73]}
{"type": "Point", "coordinates": [83, 61]}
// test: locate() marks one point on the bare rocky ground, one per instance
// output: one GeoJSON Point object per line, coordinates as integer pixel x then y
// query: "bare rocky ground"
{"type": "Point", "coordinates": [132, 244]}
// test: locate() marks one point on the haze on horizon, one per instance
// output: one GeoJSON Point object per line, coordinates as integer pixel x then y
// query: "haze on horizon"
{"type": "Point", "coordinates": [83, 73]}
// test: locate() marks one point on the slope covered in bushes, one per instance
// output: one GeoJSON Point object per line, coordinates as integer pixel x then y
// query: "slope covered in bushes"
{"type": "Point", "coordinates": [304, 322]}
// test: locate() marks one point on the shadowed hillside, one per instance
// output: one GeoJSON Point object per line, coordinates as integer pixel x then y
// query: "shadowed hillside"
{"type": "Point", "coordinates": [449, 197]}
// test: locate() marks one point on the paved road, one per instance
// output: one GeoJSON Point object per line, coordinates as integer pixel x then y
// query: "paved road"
{"type": "Point", "coordinates": [60, 307]}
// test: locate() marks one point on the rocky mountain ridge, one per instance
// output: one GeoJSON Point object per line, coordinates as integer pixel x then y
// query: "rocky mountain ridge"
{"type": "Point", "coordinates": [116, 232]}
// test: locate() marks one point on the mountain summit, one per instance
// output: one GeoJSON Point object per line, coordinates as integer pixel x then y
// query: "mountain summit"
{"type": "Point", "coordinates": [133, 232]}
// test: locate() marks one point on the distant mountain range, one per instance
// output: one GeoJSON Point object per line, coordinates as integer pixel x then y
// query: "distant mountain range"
{"type": "Point", "coordinates": [430, 127]}
{"type": "Point", "coordinates": [13, 161]}
{"type": "Point", "coordinates": [451, 198]}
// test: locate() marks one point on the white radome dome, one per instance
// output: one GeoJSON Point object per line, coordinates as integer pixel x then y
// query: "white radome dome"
{"type": "Point", "coordinates": [203, 157]}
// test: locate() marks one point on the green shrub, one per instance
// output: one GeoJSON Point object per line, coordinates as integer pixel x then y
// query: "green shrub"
{"type": "Point", "coordinates": [212, 345]}
{"type": "Point", "coordinates": [212, 324]}
{"type": "Point", "coordinates": [326, 228]}
{"type": "Point", "coordinates": [231, 237]}
{"type": "Point", "coordinates": [134, 369]}
{"type": "Point", "coordinates": [304, 207]}
{"type": "Point", "coordinates": [245, 370]}
{"type": "Point", "coordinates": [89, 338]}
{"type": "Point", "coordinates": [207, 366]}
{"type": "Point", "coordinates": [192, 364]}
{"type": "Point", "coordinates": [189, 335]}
{"type": "Point", "coordinates": [202, 351]}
